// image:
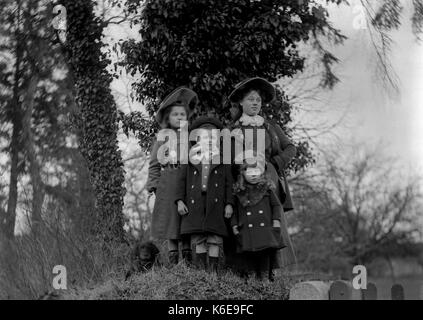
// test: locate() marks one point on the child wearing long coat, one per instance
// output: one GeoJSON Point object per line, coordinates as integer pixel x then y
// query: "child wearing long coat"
{"type": "Point", "coordinates": [205, 198]}
{"type": "Point", "coordinates": [164, 172]}
{"type": "Point", "coordinates": [256, 220]}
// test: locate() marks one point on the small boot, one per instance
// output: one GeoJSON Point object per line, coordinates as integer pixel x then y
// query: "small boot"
{"type": "Point", "coordinates": [213, 264]}
{"type": "Point", "coordinates": [201, 260]}
{"type": "Point", "coordinates": [173, 257]}
{"type": "Point", "coordinates": [187, 256]}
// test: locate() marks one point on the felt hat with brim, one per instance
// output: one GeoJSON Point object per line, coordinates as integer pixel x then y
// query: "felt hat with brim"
{"type": "Point", "coordinates": [267, 90]}
{"type": "Point", "coordinates": [181, 96]}
{"type": "Point", "coordinates": [206, 122]}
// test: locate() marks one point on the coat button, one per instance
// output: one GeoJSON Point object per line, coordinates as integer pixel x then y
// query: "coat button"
{"type": "Point", "coordinates": [192, 201]}
{"type": "Point", "coordinates": [215, 200]}
{"type": "Point", "coordinates": [216, 184]}
{"type": "Point", "coordinates": [262, 224]}
{"type": "Point", "coordinates": [195, 172]}
{"type": "Point", "coordinates": [162, 169]}
{"type": "Point", "coordinates": [260, 211]}
{"type": "Point", "coordinates": [204, 186]}
{"type": "Point", "coordinates": [250, 225]}
{"type": "Point", "coordinates": [215, 171]}
{"type": "Point", "coordinates": [248, 213]}
{"type": "Point", "coordinates": [192, 187]}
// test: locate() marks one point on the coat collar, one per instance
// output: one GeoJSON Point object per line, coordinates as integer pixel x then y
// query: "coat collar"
{"type": "Point", "coordinates": [251, 194]}
{"type": "Point", "coordinates": [216, 161]}
{"type": "Point", "coordinates": [254, 121]}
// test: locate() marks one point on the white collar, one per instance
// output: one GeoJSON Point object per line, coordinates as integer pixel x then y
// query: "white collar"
{"type": "Point", "coordinates": [255, 121]}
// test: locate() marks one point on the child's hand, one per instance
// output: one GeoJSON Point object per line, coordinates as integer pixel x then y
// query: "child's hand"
{"type": "Point", "coordinates": [235, 230]}
{"type": "Point", "coordinates": [276, 224]}
{"type": "Point", "coordinates": [182, 208]}
{"type": "Point", "coordinates": [228, 211]}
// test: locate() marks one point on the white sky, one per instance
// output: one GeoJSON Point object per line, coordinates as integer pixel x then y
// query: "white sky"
{"type": "Point", "coordinates": [396, 122]}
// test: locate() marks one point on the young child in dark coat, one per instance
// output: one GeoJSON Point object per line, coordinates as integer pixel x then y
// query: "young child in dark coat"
{"type": "Point", "coordinates": [204, 196]}
{"type": "Point", "coordinates": [256, 221]}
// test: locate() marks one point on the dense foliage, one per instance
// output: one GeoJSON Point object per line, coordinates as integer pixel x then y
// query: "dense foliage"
{"type": "Point", "coordinates": [97, 120]}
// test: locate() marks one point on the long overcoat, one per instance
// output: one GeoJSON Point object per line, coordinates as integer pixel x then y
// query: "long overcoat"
{"type": "Point", "coordinates": [205, 215]}
{"type": "Point", "coordinates": [255, 222]}
{"type": "Point", "coordinates": [162, 179]}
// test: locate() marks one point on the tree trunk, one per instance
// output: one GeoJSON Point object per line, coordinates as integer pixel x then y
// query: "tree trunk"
{"type": "Point", "coordinates": [8, 223]}
{"type": "Point", "coordinates": [34, 167]}
{"type": "Point", "coordinates": [98, 116]}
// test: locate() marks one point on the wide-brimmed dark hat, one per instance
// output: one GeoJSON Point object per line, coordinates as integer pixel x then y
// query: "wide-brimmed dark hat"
{"type": "Point", "coordinates": [266, 89]}
{"type": "Point", "coordinates": [181, 96]}
{"type": "Point", "coordinates": [206, 121]}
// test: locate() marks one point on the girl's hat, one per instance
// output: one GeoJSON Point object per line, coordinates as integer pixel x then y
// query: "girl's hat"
{"type": "Point", "coordinates": [266, 89]}
{"type": "Point", "coordinates": [181, 96]}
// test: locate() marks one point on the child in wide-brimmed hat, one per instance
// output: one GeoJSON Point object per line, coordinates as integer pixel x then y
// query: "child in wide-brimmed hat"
{"type": "Point", "coordinates": [164, 169]}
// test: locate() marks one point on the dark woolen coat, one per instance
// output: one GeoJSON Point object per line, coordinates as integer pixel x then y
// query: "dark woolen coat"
{"type": "Point", "coordinates": [163, 180]}
{"type": "Point", "coordinates": [205, 216]}
{"type": "Point", "coordinates": [255, 222]}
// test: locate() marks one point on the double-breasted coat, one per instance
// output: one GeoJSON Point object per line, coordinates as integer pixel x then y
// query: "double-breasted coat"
{"type": "Point", "coordinates": [205, 213]}
{"type": "Point", "coordinates": [255, 222]}
{"type": "Point", "coordinates": [162, 179]}
{"type": "Point", "coordinates": [279, 151]}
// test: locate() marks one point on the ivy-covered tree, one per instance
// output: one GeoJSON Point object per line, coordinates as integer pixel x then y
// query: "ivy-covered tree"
{"type": "Point", "coordinates": [97, 116]}
{"type": "Point", "coordinates": [212, 45]}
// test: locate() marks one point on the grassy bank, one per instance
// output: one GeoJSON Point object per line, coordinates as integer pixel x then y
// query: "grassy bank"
{"type": "Point", "coordinates": [181, 282]}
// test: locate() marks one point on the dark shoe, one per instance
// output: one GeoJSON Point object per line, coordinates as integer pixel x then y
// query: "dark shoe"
{"type": "Point", "coordinates": [213, 264]}
{"type": "Point", "coordinates": [201, 260]}
{"type": "Point", "coordinates": [187, 256]}
{"type": "Point", "coordinates": [173, 257]}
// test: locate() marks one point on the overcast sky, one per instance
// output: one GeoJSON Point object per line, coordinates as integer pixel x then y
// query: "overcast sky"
{"type": "Point", "coordinates": [372, 114]}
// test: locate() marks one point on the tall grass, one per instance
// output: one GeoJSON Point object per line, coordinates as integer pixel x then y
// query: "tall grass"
{"type": "Point", "coordinates": [27, 261]}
